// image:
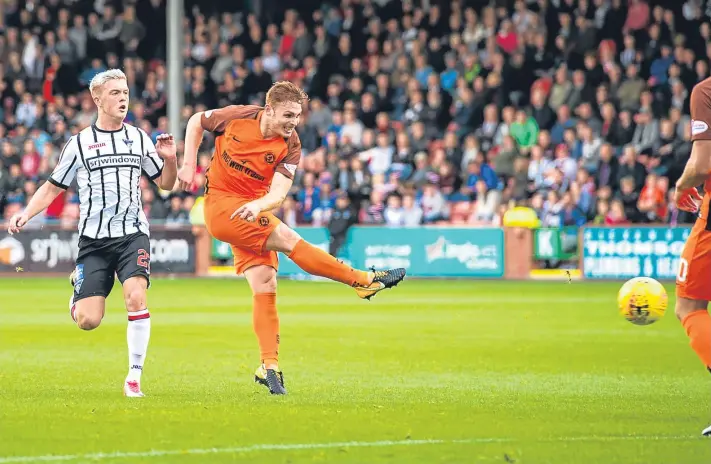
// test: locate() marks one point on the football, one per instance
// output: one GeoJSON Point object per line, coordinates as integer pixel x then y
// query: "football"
{"type": "Point", "coordinates": [642, 300]}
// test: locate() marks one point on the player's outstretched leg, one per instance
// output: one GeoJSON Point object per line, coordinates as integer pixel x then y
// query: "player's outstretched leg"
{"type": "Point", "coordinates": [315, 261]}
{"type": "Point", "coordinates": [138, 333]}
{"type": "Point", "coordinates": [262, 280]}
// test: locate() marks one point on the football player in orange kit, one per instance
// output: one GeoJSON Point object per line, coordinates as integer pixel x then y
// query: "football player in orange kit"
{"type": "Point", "coordinates": [257, 151]}
{"type": "Point", "coordinates": [693, 286]}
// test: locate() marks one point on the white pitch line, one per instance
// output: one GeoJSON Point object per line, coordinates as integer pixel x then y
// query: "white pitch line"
{"type": "Point", "coordinates": [311, 446]}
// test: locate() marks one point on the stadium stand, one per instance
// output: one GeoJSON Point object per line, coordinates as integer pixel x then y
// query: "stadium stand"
{"type": "Point", "coordinates": [421, 111]}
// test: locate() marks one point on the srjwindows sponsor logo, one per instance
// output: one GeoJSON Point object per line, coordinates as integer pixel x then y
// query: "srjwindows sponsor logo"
{"type": "Point", "coordinates": [114, 161]}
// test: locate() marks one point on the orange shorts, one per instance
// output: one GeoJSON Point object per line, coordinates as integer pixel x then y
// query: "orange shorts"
{"type": "Point", "coordinates": [693, 279]}
{"type": "Point", "coordinates": [248, 239]}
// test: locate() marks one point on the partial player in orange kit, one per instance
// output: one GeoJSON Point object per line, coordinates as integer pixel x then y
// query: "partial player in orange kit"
{"type": "Point", "coordinates": [693, 282]}
{"type": "Point", "coordinates": [257, 151]}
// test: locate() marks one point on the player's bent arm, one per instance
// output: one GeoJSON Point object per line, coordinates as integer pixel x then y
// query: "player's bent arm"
{"type": "Point", "coordinates": [193, 139]}
{"type": "Point", "coordinates": [698, 167]}
{"type": "Point", "coordinates": [43, 197]}
{"type": "Point", "coordinates": [278, 191]}
{"type": "Point", "coordinates": [167, 178]}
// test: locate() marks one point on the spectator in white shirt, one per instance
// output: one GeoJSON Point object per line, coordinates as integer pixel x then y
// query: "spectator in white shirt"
{"type": "Point", "coordinates": [590, 147]}
{"type": "Point", "coordinates": [394, 213]}
{"type": "Point", "coordinates": [379, 157]}
{"type": "Point", "coordinates": [270, 59]}
{"type": "Point", "coordinates": [434, 206]}
{"type": "Point", "coordinates": [538, 166]}
{"type": "Point", "coordinates": [485, 204]}
{"type": "Point", "coordinates": [352, 127]}
{"type": "Point", "coordinates": [411, 212]}
{"type": "Point", "coordinates": [26, 111]}
{"type": "Point", "coordinates": [565, 163]}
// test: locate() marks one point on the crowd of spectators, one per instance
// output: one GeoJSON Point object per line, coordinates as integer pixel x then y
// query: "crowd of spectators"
{"type": "Point", "coordinates": [421, 112]}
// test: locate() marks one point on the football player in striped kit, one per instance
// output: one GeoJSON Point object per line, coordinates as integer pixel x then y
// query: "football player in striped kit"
{"type": "Point", "coordinates": [107, 160]}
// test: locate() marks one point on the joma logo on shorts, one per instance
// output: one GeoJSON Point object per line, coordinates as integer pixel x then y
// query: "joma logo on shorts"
{"type": "Point", "coordinates": [241, 167]}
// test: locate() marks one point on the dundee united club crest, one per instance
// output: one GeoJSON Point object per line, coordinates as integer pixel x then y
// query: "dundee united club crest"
{"type": "Point", "coordinates": [269, 158]}
{"type": "Point", "coordinates": [263, 221]}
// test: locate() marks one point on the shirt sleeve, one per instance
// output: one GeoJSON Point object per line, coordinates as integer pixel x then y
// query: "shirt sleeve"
{"type": "Point", "coordinates": [152, 164]}
{"type": "Point", "coordinates": [290, 162]}
{"type": "Point", "coordinates": [700, 103]}
{"type": "Point", "coordinates": [66, 169]}
{"type": "Point", "coordinates": [217, 120]}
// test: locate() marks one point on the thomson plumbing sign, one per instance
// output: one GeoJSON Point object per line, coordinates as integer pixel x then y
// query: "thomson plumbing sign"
{"type": "Point", "coordinates": [626, 252]}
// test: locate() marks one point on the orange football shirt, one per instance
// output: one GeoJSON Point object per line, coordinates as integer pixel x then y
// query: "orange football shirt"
{"type": "Point", "coordinates": [244, 162]}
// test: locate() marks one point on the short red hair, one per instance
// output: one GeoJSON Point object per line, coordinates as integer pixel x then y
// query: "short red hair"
{"type": "Point", "coordinates": [285, 91]}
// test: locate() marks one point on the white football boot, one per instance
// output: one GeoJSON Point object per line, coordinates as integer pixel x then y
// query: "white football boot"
{"type": "Point", "coordinates": [707, 431]}
{"type": "Point", "coordinates": [132, 389]}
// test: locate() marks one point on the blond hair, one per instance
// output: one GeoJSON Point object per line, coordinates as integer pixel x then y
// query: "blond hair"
{"type": "Point", "coordinates": [285, 91]}
{"type": "Point", "coordinates": [103, 77]}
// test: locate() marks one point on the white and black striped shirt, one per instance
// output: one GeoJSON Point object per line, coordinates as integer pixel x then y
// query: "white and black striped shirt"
{"type": "Point", "coordinates": [107, 166]}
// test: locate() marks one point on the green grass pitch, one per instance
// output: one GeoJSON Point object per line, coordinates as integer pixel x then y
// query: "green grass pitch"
{"type": "Point", "coordinates": [430, 372]}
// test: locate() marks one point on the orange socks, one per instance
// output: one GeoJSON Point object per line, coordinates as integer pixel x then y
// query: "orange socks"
{"type": "Point", "coordinates": [698, 328]}
{"type": "Point", "coordinates": [266, 326]}
{"type": "Point", "coordinates": [315, 261]}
